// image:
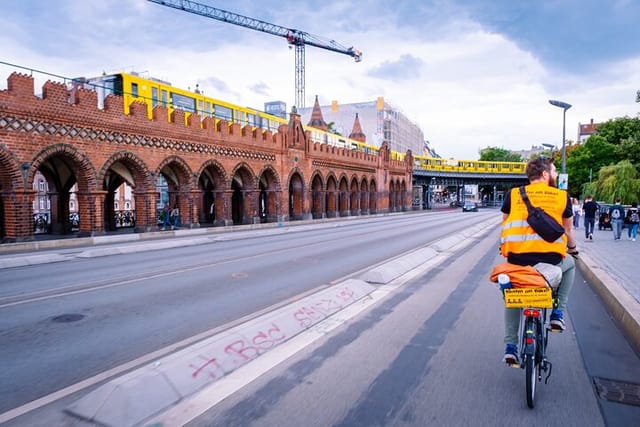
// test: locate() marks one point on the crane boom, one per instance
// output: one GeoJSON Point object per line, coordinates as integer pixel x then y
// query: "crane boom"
{"type": "Point", "coordinates": [294, 37]}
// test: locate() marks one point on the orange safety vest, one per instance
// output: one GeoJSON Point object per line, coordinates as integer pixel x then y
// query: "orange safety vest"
{"type": "Point", "coordinates": [517, 236]}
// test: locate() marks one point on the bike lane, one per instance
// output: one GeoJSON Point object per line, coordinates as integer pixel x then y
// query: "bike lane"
{"type": "Point", "coordinates": [428, 355]}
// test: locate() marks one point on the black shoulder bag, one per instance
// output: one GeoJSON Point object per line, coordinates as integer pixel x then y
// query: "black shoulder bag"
{"type": "Point", "coordinates": [541, 222]}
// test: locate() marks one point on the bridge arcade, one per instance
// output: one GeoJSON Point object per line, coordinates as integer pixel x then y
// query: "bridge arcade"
{"type": "Point", "coordinates": [216, 173]}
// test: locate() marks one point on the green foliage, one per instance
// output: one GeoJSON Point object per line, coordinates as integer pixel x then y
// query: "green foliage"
{"type": "Point", "coordinates": [595, 167]}
{"type": "Point", "coordinates": [619, 180]}
{"type": "Point", "coordinates": [496, 154]}
{"type": "Point", "coordinates": [616, 130]}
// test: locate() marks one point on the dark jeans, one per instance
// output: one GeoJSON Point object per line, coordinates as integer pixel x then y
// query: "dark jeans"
{"type": "Point", "coordinates": [589, 224]}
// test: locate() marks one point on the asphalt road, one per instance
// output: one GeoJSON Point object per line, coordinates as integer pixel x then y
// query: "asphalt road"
{"type": "Point", "coordinates": [66, 321]}
{"type": "Point", "coordinates": [428, 354]}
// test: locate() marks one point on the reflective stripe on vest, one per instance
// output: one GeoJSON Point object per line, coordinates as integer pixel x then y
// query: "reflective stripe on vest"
{"type": "Point", "coordinates": [517, 236]}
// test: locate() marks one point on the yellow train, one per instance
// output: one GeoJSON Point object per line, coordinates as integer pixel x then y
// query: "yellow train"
{"type": "Point", "coordinates": [451, 165]}
{"type": "Point", "coordinates": [133, 87]}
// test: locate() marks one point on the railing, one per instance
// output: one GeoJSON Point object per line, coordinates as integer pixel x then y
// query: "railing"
{"type": "Point", "coordinates": [125, 219]}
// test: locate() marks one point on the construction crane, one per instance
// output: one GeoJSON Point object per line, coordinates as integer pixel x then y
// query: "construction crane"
{"type": "Point", "coordinates": [294, 37]}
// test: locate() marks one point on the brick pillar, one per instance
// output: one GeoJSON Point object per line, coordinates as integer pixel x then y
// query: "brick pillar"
{"type": "Point", "coordinates": [146, 214]}
{"type": "Point", "coordinates": [18, 215]}
{"type": "Point", "coordinates": [91, 210]}
{"type": "Point", "coordinates": [195, 208]}
{"type": "Point", "coordinates": [226, 218]}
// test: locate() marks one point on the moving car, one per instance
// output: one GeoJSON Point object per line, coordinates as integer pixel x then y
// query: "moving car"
{"type": "Point", "coordinates": [470, 207]}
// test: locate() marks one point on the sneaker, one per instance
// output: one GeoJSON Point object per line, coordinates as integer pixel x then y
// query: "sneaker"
{"type": "Point", "coordinates": [557, 320]}
{"type": "Point", "coordinates": [590, 236]}
{"type": "Point", "coordinates": [511, 355]}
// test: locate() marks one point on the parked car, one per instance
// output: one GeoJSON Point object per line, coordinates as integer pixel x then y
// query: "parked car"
{"type": "Point", "coordinates": [470, 207]}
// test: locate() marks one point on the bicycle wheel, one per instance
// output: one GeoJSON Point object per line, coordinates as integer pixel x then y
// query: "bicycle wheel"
{"type": "Point", "coordinates": [530, 364]}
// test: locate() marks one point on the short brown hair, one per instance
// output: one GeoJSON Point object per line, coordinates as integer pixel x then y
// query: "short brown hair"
{"type": "Point", "coordinates": [535, 167]}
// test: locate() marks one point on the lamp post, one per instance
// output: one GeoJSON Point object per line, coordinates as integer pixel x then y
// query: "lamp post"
{"type": "Point", "coordinates": [564, 107]}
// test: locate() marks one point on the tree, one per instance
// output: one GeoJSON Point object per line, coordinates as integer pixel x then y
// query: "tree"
{"type": "Point", "coordinates": [619, 180]}
{"type": "Point", "coordinates": [495, 154]}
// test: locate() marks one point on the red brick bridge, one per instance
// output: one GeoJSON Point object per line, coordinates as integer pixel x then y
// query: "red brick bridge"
{"type": "Point", "coordinates": [218, 173]}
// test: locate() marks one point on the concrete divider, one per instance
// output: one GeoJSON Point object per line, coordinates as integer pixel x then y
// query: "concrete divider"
{"type": "Point", "coordinates": [172, 378]}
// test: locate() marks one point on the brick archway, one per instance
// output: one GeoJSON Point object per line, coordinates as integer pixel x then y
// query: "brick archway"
{"type": "Point", "coordinates": [64, 166]}
{"type": "Point", "coordinates": [127, 167]}
{"type": "Point", "coordinates": [343, 197]}
{"type": "Point", "coordinates": [211, 183]}
{"type": "Point", "coordinates": [354, 197]}
{"type": "Point", "coordinates": [296, 196]}
{"type": "Point", "coordinates": [331, 196]}
{"type": "Point", "coordinates": [243, 202]}
{"type": "Point", "coordinates": [14, 199]}
{"type": "Point", "coordinates": [178, 176]}
{"type": "Point", "coordinates": [317, 196]}
{"type": "Point", "coordinates": [268, 200]}
{"type": "Point", "coordinates": [364, 196]}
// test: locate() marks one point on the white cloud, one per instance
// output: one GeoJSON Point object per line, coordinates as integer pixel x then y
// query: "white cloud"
{"type": "Point", "coordinates": [465, 86]}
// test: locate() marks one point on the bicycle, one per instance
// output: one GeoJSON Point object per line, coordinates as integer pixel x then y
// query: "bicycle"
{"type": "Point", "coordinates": [535, 304]}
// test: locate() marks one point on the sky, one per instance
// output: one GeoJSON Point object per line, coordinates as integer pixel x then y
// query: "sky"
{"type": "Point", "coordinates": [470, 73]}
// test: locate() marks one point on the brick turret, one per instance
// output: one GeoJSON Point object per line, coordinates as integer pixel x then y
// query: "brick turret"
{"type": "Point", "coordinates": [356, 132]}
{"type": "Point", "coordinates": [317, 121]}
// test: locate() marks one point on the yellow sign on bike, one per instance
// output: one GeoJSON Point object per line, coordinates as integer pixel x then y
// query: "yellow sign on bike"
{"type": "Point", "coordinates": [530, 297]}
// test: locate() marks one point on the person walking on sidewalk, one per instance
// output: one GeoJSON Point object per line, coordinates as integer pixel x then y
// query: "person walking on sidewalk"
{"type": "Point", "coordinates": [633, 219]}
{"type": "Point", "coordinates": [616, 213]}
{"type": "Point", "coordinates": [589, 208]}
{"type": "Point", "coordinates": [577, 213]}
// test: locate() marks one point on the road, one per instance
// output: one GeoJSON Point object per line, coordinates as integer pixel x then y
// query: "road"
{"type": "Point", "coordinates": [428, 354]}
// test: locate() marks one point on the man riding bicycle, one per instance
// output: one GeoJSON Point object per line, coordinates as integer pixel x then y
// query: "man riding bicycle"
{"type": "Point", "coordinates": [521, 245]}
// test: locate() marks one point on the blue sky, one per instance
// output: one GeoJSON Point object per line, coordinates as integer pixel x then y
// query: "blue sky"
{"type": "Point", "coordinates": [470, 73]}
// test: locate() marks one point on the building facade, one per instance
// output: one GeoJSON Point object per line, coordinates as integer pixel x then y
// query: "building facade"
{"type": "Point", "coordinates": [380, 122]}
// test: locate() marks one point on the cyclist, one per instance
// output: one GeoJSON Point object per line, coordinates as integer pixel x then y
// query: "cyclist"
{"type": "Point", "coordinates": [522, 246]}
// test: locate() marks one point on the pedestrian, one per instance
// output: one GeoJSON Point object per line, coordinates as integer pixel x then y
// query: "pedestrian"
{"type": "Point", "coordinates": [577, 212]}
{"type": "Point", "coordinates": [633, 219]}
{"type": "Point", "coordinates": [616, 213]}
{"type": "Point", "coordinates": [589, 208]}
{"type": "Point", "coordinates": [175, 216]}
{"type": "Point", "coordinates": [166, 216]}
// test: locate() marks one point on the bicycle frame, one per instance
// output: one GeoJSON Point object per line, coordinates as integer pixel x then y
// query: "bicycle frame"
{"type": "Point", "coordinates": [533, 354]}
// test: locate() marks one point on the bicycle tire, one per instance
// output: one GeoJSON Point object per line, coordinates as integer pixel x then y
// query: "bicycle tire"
{"type": "Point", "coordinates": [530, 366]}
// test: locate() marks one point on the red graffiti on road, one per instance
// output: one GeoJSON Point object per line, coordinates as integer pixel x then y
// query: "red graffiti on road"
{"type": "Point", "coordinates": [314, 312]}
{"type": "Point", "coordinates": [211, 366]}
{"type": "Point", "coordinates": [243, 350]}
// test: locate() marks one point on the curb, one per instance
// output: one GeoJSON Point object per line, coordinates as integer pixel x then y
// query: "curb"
{"type": "Point", "coordinates": [624, 309]}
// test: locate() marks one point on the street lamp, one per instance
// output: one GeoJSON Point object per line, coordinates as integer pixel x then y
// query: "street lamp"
{"type": "Point", "coordinates": [564, 107]}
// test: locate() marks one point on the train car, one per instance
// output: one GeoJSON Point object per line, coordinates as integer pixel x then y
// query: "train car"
{"type": "Point", "coordinates": [439, 164]}
{"type": "Point", "coordinates": [133, 87]}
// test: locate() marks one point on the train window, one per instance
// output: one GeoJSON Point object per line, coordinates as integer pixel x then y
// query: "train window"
{"type": "Point", "coordinates": [134, 89]}
{"type": "Point", "coordinates": [164, 98]}
{"type": "Point", "coordinates": [201, 107]}
{"type": "Point", "coordinates": [240, 116]}
{"type": "Point", "coordinates": [154, 97]}
{"type": "Point", "coordinates": [222, 112]}
{"type": "Point", "coordinates": [208, 109]}
{"type": "Point", "coordinates": [183, 102]}
{"type": "Point", "coordinates": [251, 119]}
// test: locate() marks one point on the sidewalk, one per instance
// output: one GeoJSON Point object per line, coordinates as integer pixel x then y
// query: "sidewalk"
{"type": "Point", "coordinates": [613, 267]}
